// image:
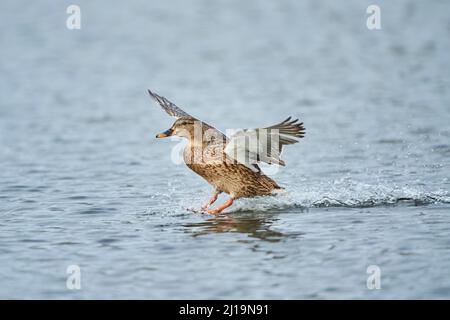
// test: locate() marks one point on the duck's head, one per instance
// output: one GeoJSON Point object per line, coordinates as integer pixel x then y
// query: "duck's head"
{"type": "Point", "coordinates": [182, 127]}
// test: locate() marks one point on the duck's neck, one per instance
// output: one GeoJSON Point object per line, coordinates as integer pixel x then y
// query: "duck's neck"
{"type": "Point", "coordinates": [193, 152]}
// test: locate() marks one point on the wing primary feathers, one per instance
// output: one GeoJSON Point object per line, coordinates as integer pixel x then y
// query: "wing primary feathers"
{"type": "Point", "coordinates": [168, 106]}
{"type": "Point", "coordinates": [284, 133]}
{"type": "Point", "coordinates": [290, 127]}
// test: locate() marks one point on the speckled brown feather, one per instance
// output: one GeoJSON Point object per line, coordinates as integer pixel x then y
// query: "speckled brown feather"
{"type": "Point", "coordinates": [225, 175]}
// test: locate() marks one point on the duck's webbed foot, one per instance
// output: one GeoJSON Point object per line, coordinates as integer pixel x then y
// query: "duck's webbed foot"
{"type": "Point", "coordinates": [211, 201]}
{"type": "Point", "coordinates": [222, 207]}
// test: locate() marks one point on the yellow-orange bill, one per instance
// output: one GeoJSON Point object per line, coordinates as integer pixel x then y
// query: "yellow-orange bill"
{"type": "Point", "coordinates": [161, 135]}
{"type": "Point", "coordinates": [165, 134]}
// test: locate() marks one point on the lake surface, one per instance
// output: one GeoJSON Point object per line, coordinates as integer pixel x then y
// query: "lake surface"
{"type": "Point", "coordinates": [84, 182]}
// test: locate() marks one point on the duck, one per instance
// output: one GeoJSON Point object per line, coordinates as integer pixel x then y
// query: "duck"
{"type": "Point", "coordinates": [230, 164]}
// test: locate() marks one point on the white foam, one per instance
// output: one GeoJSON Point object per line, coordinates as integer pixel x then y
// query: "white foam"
{"type": "Point", "coordinates": [343, 193]}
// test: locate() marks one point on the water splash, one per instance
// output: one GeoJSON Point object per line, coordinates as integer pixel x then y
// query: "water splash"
{"type": "Point", "coordinates": [345, 193]}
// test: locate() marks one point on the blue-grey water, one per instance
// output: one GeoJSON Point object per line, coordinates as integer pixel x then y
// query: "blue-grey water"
{"type": "Point", "coordinates": [84, 182]}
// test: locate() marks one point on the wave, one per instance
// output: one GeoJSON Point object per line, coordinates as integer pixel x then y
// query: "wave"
{"type": "Point", "coordinates": [345, 194]}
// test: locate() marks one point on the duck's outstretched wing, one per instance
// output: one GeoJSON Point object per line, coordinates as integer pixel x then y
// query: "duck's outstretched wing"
{"type": "Point", "coordinates": [250, 146]}
{"type": "Point", "coordinates": [168, 106]}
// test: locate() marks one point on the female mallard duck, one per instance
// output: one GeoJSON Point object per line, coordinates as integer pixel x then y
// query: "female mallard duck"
{"type": "Point", "coordinates": [230, 165]}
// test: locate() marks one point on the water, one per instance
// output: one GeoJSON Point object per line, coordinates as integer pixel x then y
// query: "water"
{"type": "Point", "coordinates": [84, 182]}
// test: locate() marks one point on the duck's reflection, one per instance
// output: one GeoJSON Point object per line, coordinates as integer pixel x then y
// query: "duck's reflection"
{"type": "Point", "coordinates": [254, 225]}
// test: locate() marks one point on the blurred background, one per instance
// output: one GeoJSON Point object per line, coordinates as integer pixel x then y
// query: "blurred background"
{"type": "Point", "coordinates": [83, 181]}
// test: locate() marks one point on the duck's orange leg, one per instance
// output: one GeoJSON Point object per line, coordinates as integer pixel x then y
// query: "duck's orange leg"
{"type": "Point", "coordinates": [211, 201]}
{"type": "Point", "coordinates": [222, 207]}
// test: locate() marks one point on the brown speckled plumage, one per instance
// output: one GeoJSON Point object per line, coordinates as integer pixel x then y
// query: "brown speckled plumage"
{"type": "Point", "coordinates": [211, 159]}
{"type": "Point", "coordinates": [235, 179]}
